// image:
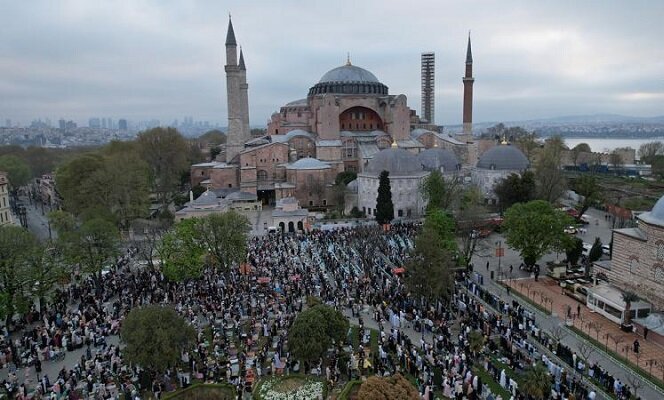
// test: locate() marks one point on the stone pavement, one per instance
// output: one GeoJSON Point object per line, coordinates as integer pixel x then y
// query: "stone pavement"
{"type": "Point", "coordinates": [593, 324]}
{"type": "Point", "coordinates": [573, 341]}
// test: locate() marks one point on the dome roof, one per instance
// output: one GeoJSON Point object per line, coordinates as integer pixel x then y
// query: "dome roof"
{"type": "Point", "coordinates": [505, 157]}
{"type": "Point", "coordinates": [439, 160]}
{"type": "Point", "coordinates": [395, 161]}
{"type": "Point", "coordinates": [656, 215]}
{"type": "Point", "coordinates": [206, 199]}
{"type": "Point", "coordinates": [416, 133]}
{"type": "Point", "coordinates": [308, 163]}
{"type": "Point", "coordinates": [348, 73]}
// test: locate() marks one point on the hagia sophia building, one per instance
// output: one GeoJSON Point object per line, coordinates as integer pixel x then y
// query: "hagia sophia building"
{"type": "Point", "coordinates": [348, 121]}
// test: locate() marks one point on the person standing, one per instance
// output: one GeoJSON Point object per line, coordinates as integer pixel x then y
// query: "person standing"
{"type": "Point", "coordinates": [645, 332]}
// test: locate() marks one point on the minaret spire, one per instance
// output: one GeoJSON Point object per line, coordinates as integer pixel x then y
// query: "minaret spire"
{"type": "Point", "coordinates": [230, 34]}
{"type": "Point", "coordinates": [348, 59]}
{"type": "Point", "coordinates": [469, 52]}
{"type": "Point", "coordinates": [241, 63]}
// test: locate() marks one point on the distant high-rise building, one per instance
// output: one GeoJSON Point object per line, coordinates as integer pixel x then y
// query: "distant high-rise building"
{"type": "Point", "coordinates": [428, 86]}
{"type": "Point", "coordinates": [62, 124]}
{"type": "Point", "coordinates": [103, 123]}
{"type": "Point", "coordinates": [8, 123]}
{"type": "Point", "coordinates": [70, 125]}
{"type": "Point", "coordinates": [94, 123]}
{"type": "Point", "coordinates": [122, 124]}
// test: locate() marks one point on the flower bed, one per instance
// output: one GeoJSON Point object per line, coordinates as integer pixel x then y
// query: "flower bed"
{"type": "Point", "coordinates": [293, 387]}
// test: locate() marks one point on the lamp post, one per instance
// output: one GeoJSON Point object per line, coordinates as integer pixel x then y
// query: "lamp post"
{"type": "Point", "coordinates": [500, 252]}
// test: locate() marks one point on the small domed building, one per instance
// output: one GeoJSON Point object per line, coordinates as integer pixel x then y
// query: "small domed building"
{"type": "Point", "coordinates": [496, 164]}
{"type": "Point", "coordinates": [406, 175]}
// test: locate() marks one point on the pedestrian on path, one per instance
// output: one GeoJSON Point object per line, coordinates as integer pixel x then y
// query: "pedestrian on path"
{"type": "Point", "coordinates": [645, 332]}
{"type": "Point", "coordinates": [487, 265]}
{"type": "Point", "coordinates": [578, 310]}
{"type": "Point", "coordinates": [508, 289]}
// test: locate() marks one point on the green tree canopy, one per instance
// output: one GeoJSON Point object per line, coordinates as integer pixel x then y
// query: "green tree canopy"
{"type": "Point", "coordinates": [345, 177]}
{"type": "Point", "coordinates": [535, 228]}
{"type": "Point", "coordinates": [315, 330]}
{"type": "Point", "coordinates": [443, 225]}
{"type": "Point", "coordinates": [165, 151]}
{"type": "Point", "coordinates": [573, 253]}
{"type": "Point", "coordinates": [588, 187]}
{"type": "Point", "coordinates": [515, 188]}
{"type": "Point", "coordinates": [18, 171]}
{"type": "Point", "coordinates": [648, 151]}
{"type": "Point", "coordinates": [72, 180]}
{"type": "Point", "coordinates": [595, 252]}
{"type": "Point", "coordinates": [181, 253]}
{"type": "Point", "coordinates": [429, 270]}
{"type": "Point", "coordinates": [470, 217]}
{"type": "Point", "coordinates": [225, 237]}
{"type": "Point", "coordinates": [17, 246]}
{"type": "Point", "coordinates": [439, 193]}
{"type": "Point", "coordinates": [548, 170]}
{"type": "Point", "coordinates": [214, 136]}
{"type": "Point", "coordinates": [384, 205]}
{"type": "Point", "coordinates": [537, 382]}
{"type": "Point", "coordinates": [155, 337]}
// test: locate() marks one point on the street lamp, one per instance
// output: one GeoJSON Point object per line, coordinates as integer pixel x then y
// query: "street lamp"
{"type": "Point", "coordinates": [500, 252]}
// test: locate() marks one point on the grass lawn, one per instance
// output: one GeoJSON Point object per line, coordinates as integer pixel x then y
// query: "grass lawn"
{"type": "Point", "coordinates": [495, 388]}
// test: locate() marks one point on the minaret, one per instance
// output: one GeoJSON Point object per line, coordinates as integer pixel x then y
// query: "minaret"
{"type": "Point", "coordinates": [237, 135]}
{"type": "Point", "coordinates": [244, 99]}
{"type": "Point", "coordinates": [468, 93]}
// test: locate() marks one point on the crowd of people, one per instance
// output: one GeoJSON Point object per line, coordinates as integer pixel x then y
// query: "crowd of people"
{"type": "Point", "coordinates": [242, 319]}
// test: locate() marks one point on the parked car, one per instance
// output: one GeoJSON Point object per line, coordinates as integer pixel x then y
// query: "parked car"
{"type": "Point", "coordinates": [571, 230]}
{"type": "Point", "coordinates": [606, 249]}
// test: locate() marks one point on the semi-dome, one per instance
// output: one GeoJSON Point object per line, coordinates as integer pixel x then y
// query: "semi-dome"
{"type": "Point", "coordinates": [396, 161]}
{"type": "Point", "coordinates": [348, 73]}
{"type": "Point", "coordinates": [656, 215]}
{"type": "Point", "coordinates": [505, 157]}
{"type": "Point", "coordinates": [308, 163]}
{"type": "Point", "coordinates": [348, 79]}
{"type": "Point", "coordinates": [437, 159]}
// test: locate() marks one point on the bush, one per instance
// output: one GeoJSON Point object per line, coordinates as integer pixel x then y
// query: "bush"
{"type": "Point", "coordinates": [199, 391]}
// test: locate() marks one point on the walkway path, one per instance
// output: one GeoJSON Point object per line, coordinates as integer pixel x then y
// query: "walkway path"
{"type": "Point", "coordinates": [573, 341]}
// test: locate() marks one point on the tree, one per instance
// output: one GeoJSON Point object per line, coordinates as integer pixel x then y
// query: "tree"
{"type": "Point", "coordinates": [165, 151]}
{"type": "Point", "coordinates": [16, 247]}
{"type": "Point", "coordinates": [528, 144]}
{"type": "Point", "coordinates": [578, 150]}
{"type": "Point", "coordinates": [225, 237]}
{"type": "Point", "coordinates": [616, 159]}
{"type": "Point", "coordinates": [214, 152]}
{"type": "Point", "coordinates": [384, 205]}
{"type": "Point", "coordinates": [71, 180]}
{"type": "Point", "coordinates": [45, 269]}
{"type": "Point", "coordinates": [18, 171]}
{"type": "Point", "coordinates": [345, 177]}
{"type": "Point", "coordinates": [470, 217]}
{"type": "Point", "coordinates": [315, 330]}
{"type": "Point", "coordinates": [155, 337]}
{"type": "Point", "coordinates": [648, 151]}
{"type": "Point", "coordinates": [657, 165]}
{"type": "Point", "coordinates": [548, 170]}
{"type": "Point", "coordinates": [588, 187]}
{"type": "Point", "coordinates": [443, 225]}
{"type": "Point", "coordinates": [537, 382]}
{"type": "Point", "coordinates": [595, 251]}
{"type": "Point", "coordinates": [573, 253]}
{"type": "Point", "coordinates": [214, 136]}
{"type": "Point", "coordinates": [535, 228]}
{"type": "Point", "coordinates": [429, 270]}
{"type": "Point", "coordinates": [121, 185]}
{"type": "Point", "coordinates": [394, 387]}
{"type": "Point", "coordinates": [476, 342]}
{"type": "Point", "coordinates": [515, 188]}
{"type": "Point", "coordinates": [629, 297]}
{"type": "Point", "coordinates": [437, 192]}
{"type": "Point", "coordinates": [97, 244]}
{"type": "Point", "coordinates": [181, 253]}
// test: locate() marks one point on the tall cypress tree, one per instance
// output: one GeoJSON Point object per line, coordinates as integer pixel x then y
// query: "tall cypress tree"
{"type": "Point", "coordinates": [384, 205]}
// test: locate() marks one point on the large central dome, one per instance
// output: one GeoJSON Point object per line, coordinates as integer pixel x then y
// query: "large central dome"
{"type": "Point", "coordinates": [349, 79]}
{"type": "Point", "coordinates": [348, 73]}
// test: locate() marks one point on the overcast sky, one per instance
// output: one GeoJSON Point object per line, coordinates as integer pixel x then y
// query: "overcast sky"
{"type": "Point", "coordinates": [164, 58]}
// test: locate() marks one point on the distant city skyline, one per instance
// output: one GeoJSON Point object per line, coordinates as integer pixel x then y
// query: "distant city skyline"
{"type": "Point", "coordinates": [159, 60]}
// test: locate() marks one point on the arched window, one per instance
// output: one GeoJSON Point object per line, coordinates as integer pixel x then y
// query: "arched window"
{"type": "Point", "coordinates": [261, 175]}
